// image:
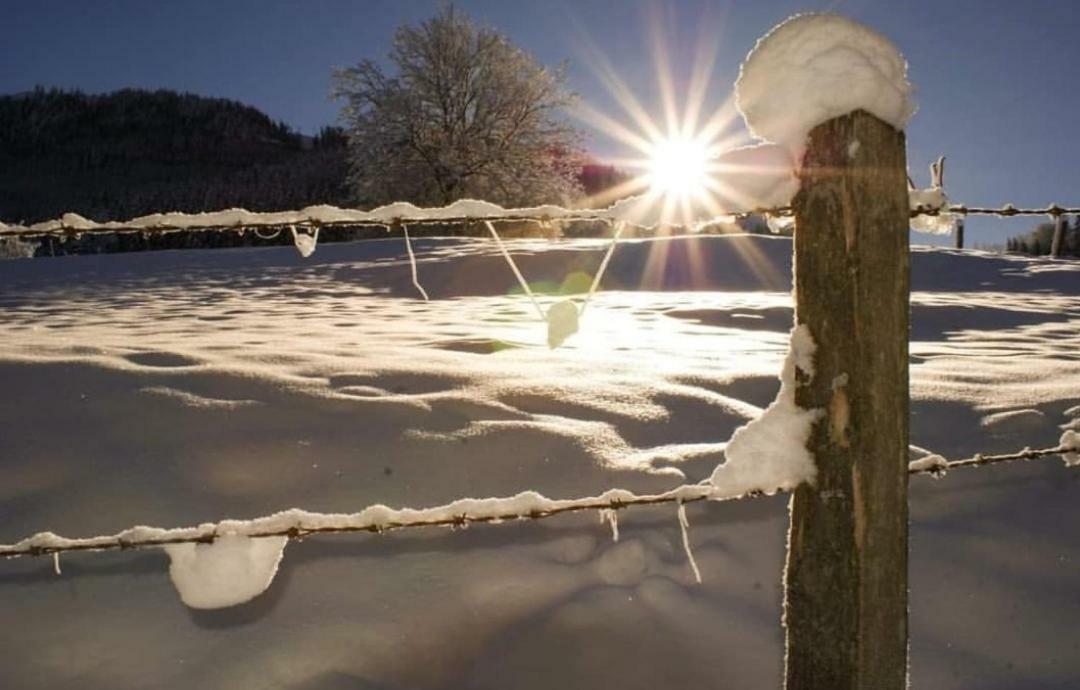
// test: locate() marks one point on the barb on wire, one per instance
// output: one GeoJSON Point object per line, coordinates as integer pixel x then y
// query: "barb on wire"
{"type": "Point", "coordinates": [296, 524]}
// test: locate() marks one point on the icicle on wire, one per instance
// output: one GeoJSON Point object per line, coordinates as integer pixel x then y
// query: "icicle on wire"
{"type": "Point", "coordinates": [609, 516]}
{"type": "Point", "coordinates": [684, 527]}
{"type": "Point", "coordinates": [619, 227]}
{"type": "Point", "coordinates": [412, 264]}
{"type": "Point", "coordinates": [272, 236]}
{"type": "Point", "coordinates": [514, 268]}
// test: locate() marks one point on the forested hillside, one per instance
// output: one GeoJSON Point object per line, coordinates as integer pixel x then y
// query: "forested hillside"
{"type": "Point", "coordinates": [133, 152]}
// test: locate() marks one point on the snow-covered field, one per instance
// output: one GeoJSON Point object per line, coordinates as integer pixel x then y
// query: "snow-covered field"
{"type": "Point", "coordinates": [180, 387]}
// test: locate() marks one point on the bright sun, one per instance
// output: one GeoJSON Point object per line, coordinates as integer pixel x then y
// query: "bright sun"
{"type": "Point", "coordinates": [684, 159]}
{"type": "Point", "coordinates": [679, 167]}
{"type": "Point", "coordinates": [674, 143]}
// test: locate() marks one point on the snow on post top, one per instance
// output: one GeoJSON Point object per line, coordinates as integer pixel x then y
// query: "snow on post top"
{"type": "Point", "coordinates": [814, 67]}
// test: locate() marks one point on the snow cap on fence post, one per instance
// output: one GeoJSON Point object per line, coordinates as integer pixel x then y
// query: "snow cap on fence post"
{"type": "Point", "coordinates": [814, 67]}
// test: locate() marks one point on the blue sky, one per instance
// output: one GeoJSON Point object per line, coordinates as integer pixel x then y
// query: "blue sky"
{"type": "Point", "coordinates": [996, 80]}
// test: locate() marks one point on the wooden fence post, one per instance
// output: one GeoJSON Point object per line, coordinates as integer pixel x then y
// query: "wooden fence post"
{"type": "Point", "coordinates": [845, 608]}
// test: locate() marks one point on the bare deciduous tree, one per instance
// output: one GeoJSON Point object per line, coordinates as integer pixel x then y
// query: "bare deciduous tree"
{"type": "Point", "coordinates": [468, 114]}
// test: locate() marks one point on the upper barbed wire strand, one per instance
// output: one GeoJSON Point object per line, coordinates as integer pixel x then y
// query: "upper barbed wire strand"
{"type": "Point", "coordinates": [565, 215]}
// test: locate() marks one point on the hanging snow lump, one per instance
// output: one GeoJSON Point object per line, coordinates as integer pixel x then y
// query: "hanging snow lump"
{"type": "Point", "coordinates": [230, 571]}
{"type": "Point", "coordinates": [815, 67]}
{"type": "Point", "coordinates": [305, 243]}
{"type": "Point", "coordinates": [562, 320]}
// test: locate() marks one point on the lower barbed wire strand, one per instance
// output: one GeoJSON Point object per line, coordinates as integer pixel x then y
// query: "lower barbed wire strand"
{"type": "Point", "coordinates": [684, 494]}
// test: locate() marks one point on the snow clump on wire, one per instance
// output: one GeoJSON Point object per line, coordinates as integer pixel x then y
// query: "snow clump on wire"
{"type": "Point", "coordinates": [232, 570]}
{"type": "Point", "coordinates": [815, 67]}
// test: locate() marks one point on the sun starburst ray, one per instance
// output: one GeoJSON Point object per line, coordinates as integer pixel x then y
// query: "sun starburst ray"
{"type": "Point", "coordinates": [692, 167]}
{"type": "Point", "coordinates": [664, 77]}
{"type": "Point", "coordinates": [623, 95]}
{"type": "Point", "coordinates": [606, 197]}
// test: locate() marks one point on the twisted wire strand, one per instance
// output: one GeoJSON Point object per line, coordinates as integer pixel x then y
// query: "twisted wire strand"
{"type": "Point", "coordinates": [610, 501]}
{"type": "Point", "coordinates": [60, 227]}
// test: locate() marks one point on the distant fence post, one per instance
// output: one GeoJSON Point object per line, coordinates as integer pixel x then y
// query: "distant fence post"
{"type": "Point", "coordinates": [1057, 246]}
{"type": "Point", "coordinates": [845, 607]}
{"type": "Point", "coordinates": [958, 234]}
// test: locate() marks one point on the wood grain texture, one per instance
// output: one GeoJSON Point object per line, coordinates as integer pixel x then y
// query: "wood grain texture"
{"type": "Point", "coordinates": [845, 603]}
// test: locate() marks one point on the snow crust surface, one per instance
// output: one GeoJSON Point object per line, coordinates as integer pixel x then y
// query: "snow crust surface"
{"type": "Point", "coordinates": [197, 385]}
{"type": "Point", "coordinates": [814, 67]}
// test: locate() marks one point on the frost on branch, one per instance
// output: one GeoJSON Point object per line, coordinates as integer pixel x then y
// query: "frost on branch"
{"type": "Point", "coordinates": [230, 571]}
{"type": "Point", "coordinates": [769, 453]}
{"type": "Point", "coordinates": [815, 67]}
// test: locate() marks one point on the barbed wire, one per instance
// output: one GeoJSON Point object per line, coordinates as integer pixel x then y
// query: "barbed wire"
{"type": "Point", "coordinates": [48, 543]}
{"type": "Point", "coordinates": [939, 467]}
{"type": "Point", "coordinates": [253, 221]}
{"type": "Point", "coordinates": [611, 500]}
{"type": "Point", "coordinates": [1006, 211]}
{"type": "Point", "coordinates": [63, 228]}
